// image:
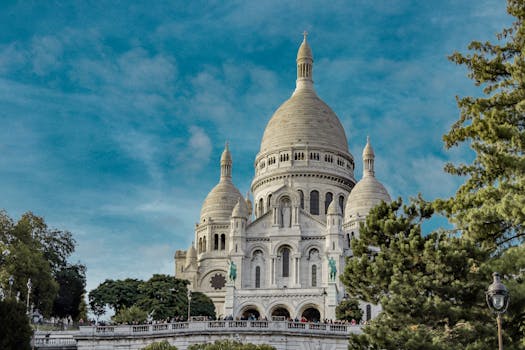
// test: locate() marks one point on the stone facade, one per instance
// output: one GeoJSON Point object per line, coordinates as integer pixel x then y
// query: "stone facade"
{"type": "Point", "coordinates": [289, 246]}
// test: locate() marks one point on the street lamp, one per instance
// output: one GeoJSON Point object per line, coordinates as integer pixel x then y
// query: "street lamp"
{"type": "Point", "coordinates": [11, 281]}
{"type": "Point", "coordinates": [498, 300]}
{"type": "Point", "coordinates": [189, 304]}
{"type": "Point", "coordinates": [29, 286]}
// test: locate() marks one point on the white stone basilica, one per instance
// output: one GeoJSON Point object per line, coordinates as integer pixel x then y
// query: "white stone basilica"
{"type": "Point", "coordinates": [307, 207]}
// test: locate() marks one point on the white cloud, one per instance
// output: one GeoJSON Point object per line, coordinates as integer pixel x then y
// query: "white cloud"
{"type": "Point", "coordinates": [46, 54]}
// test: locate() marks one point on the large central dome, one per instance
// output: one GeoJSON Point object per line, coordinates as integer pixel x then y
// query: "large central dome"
{"type": "Point", "coordinates": [304, 118]}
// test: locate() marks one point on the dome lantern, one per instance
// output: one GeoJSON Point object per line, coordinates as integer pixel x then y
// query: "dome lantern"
{"type": "Point", "coordinates": [305, 66]}
{"type": "Point", "coordinates": [226, 164]}
{"type": "Point", "coordinates": [368, 159]}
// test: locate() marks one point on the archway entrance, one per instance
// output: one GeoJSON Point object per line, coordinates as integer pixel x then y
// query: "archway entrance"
{"type": "Point", "coordinates": [251, 313]}
{"type": "Point", "coordinates": [311, 314]}
{"type": "Point", "coordinates": [280, 313]}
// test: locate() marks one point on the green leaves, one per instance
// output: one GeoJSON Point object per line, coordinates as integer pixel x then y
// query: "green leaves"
{"type": "Point", "coordinates": [39, 253]}
{"type": "Point", "coordinates": [162, 296]}
{"type": "Point", "coordinates": [488, 207]}
{"type": "Point", "coordinates": [229, 345]}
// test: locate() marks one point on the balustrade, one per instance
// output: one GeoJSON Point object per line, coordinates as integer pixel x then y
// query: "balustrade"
{"type": "Point", "coordinates": [233, 325]}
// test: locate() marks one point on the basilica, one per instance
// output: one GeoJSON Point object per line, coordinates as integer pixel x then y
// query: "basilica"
{"type": "Point", "coordinates": [281, 255]}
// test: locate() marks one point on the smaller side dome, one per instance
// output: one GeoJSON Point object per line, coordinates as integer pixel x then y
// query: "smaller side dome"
{"type": "Point", "coordinates": [368, 192]}
{"type": "Point", "coordinates": [219, 203]}
{"type": "Point", "coordinates": [334, 209]}
{"type": "Point", "coordinates": [240, 210]}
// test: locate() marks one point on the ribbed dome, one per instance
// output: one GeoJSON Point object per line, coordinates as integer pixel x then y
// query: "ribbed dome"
{"type": "Point", "coordinates": [304, 118]}
{"type": "Point", "coordinates": [366, 194]}
{"type": "Point", "coordinates": [222, 198]}
{"type": "Point", "coordinates": [220, 201]}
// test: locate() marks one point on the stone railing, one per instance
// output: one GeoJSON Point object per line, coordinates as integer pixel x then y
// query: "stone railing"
{"type": "Point", "coordinates": [45, 342]}
{"type": "Point", "coordinates": [214, 326]}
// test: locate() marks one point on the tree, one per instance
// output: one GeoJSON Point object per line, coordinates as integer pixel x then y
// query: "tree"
{"type": "Point", "coordinates": [163, 345]}
{"type": "Point", "coordinates": [15, 331]}
{"type": "Point", "coordinates": [130, 315]}
{"type": "Point", "coordinates": [72, 284]}
{"type": "Point", "coordinates": [35, 252]}
{"type": "Point", "coordinates": [164, 297]}
{"type": "Point", "coordinates": [202, 305]}
{"type": "Point", "coordinates": [488, 207]}
{"type": "Point", "coordinates": [116, 294]}
{"type": "Point", "coordinates": [431, 287]}
{"type": "Point", "coordinates": [348, 309]}
{"type": "Point", "coordinates": [229, 345]}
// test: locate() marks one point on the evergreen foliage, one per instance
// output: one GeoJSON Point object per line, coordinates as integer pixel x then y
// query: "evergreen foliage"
{"type": "Point", "coordinates": [489, 206]}
{"type": "Point", "coordinates": [348, 309]}
{"type": "Point", "coordinates": [431, 287]}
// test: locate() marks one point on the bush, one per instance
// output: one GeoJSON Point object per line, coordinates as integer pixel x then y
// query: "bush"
{"type": "Point", "coordinates": [229, 345]}
{"type": "Point", "coordinates": [131, 315]}
{"type": "Point", "coordinates": [163, 345]}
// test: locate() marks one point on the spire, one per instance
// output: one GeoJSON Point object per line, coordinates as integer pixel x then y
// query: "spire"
{"type": "Point", "coordinates": [226, 164]}
{"type": "Point", "coordinates": [305, 61]}
{"type": "Point", "coordinates": [368, 159]}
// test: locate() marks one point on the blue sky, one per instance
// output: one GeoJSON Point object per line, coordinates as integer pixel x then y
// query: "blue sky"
{"type": "Point", "coordinates": [113, 115]}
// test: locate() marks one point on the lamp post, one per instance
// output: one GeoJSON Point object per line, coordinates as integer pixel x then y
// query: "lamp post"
{"type": "Point", "coordinates": [29, 286]}
{"type": "Point", "coordinates": [189, 304]}
{"type": "Point", "coordinates": [498, 300]}
{"type": "Point", "coordinates": [11, 281]}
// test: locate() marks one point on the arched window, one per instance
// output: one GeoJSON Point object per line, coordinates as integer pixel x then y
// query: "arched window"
{"type": "Point", "coordinates": [200, 245]}
{"type": "Point", "coordinates": [258, 277]}
{"type": "Point", "coordinates": [301, 198]}
{"type": "Point", "coordinates": [286, 262]}
{"type": "Point", "coordinates": [314, 275]}
{"type": "Point", "coordinates": [223, 241]}
{"type": "Point", "coordinates": [216, 242]}
{"type": "Point", "coordinates": [327, 200]}
{"type": "Point", "coordinates": [268, 204]}
{"type": "Point", "coordinates": [342, 204]}
{"type": "Point", "coordinates": [314, 203]}
{"type": "Point", "coordinates": [204, 244]}
{"type": "Point", "coordinates": [261, 207]}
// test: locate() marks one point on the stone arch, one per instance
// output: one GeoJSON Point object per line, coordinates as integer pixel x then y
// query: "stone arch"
{"type": "Point", "coordinates": [293, 246]}
{"type": "Point", "coordinates": [280, 309]}
{"type": "Point", "coordinates": [250, 311]}
{"type": "Point", "coordinates": [311, 314]}
{"type": "Point", "coordinates": [309, 305]}
{"type": "Point", "coordinates": [243, 307]}
{"type": "Point", "coordinates": [258, 247]}
{"type": "Point", "coordinates": [307, 248]}
{"type": "Point", "coordinates": [287, 192]}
